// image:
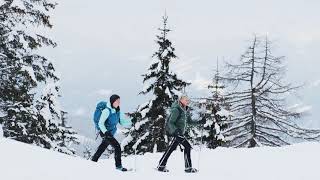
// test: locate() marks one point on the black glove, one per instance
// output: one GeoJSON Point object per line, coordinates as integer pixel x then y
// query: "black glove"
{"type": "Point", "coordinates": [186, 134]}
{"type": "Point", "coordinates": [178, 132]}
{"type": "Point", "coordinates": [107, 135]}
{"type": "Point", "coordinates": [181, 148]}
{"type": "Point", "coordinates": [202, 121]}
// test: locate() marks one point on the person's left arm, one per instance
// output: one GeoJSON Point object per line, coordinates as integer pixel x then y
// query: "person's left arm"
{"type": "Point", "coordinates": [125, 121]}
{"type": "Point", "coordinates": [192, 122]}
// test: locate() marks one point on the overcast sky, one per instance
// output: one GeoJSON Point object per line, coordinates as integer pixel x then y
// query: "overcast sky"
{"type": "Point", "coordinates": [104, 46]}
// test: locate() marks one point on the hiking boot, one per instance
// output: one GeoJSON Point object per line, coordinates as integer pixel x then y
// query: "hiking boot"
{"type": "Point", "coordinates": [162, 169]}
{"type": "Point", "coordinates": [121, 169]}
{"type": "Point", "coordinates": [191, 170]}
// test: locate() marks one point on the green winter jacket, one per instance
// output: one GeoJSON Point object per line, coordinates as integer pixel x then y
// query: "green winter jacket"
{"type": "Point", "coordinates": [177, 119]}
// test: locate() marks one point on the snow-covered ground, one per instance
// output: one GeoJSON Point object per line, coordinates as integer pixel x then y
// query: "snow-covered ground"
{"type": "Point", "coordinates": [20, 161]}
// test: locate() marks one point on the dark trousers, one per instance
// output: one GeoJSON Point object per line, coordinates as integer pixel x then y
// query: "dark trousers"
{"type": "Point", "coordinates": [173, 145]}
{"type": "Point", "coordinates": [108, 140]}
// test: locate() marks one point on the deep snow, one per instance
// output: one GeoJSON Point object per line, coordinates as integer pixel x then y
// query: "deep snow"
{"type": "Point", "coordinates": [19, 161]}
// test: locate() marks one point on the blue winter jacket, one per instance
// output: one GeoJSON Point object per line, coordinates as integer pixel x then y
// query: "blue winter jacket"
{"type": "Point", "coordinates": [110, 118]}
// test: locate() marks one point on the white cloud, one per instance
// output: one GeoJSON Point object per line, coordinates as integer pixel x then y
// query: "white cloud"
{"type": "Point", "coordinates": [304, 109]}
{"type": "Point", "coordinates": [183, 65]}
{"type": "Point", "coordinates": [313, 84]}
{"type": "Point", "coordinates": [80, 112]}
{"type": "Point", "coordinates": [140, 59]}
{"type": "Point", "coordinates": [302, 39]}
{"type": "Point", "coordinates": [301, 108]}
{"type": "Point", "coordinates": [200, 83]}
{"type": "Point", "coordinates": [306, 37]}
{"type": "Point", "coordinates": [103, 92]}
{"type": "Point", "coordinates": [316, 83]}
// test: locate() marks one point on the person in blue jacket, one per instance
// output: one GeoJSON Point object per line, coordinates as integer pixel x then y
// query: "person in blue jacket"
{"type": "Point", "coordinates": [108, 121]}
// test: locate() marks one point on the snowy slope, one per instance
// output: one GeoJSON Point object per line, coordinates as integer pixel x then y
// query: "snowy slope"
{"type": "Point", "coordinates": [20, 161]}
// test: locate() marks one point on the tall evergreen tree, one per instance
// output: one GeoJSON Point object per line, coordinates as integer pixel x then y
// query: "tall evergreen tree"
{"type": "Point", "coordinates": [216, 112]}
{"type": "Point", "coordinates": [258, 103]}
{"type": "Point", "coordinates": [60, 135]}
{"type": "Point", "coordinates": [148, 134]}
{"type": "Point", "coordinates": [68, 136]}
{"type": "Point", "coordinates": [23, 72]}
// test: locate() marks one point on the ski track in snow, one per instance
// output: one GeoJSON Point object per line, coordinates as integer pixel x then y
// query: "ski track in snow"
{"type": "Point", "coordinates": [19, 161]}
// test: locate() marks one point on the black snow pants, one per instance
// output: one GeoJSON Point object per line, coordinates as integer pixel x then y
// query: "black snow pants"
{"type": "Point", "coordinates": [108, 140]}
{"type": "Point", "coordinates": [173, 145]}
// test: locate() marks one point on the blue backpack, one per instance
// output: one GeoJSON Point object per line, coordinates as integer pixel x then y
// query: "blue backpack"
{"type": "Point", "coordinates": [97, 113]}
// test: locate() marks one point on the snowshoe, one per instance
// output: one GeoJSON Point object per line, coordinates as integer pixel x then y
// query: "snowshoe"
{"type": "Point", "coordinates": [191, 170]}
{"type": "Point", "coordinates": [162, 169]}
{"type": "Point", "coordinates": [122, 169]}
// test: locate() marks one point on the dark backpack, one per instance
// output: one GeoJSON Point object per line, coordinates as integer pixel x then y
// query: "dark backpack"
{"type": "Point", "coordinates": [167, 122]}
{"type": "Point", "coordinates": [97, 113]}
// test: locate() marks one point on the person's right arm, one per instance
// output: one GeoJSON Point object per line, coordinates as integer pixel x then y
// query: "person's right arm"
{"type": "Point", "coordinates": [103, 118]}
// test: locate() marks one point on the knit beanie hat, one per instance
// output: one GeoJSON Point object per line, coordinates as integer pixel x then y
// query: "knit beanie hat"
{"type": "Point", "coordinates": [113, 98]}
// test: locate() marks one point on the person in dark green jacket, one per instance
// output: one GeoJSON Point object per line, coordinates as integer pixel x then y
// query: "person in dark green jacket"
{"type": "Point", "coordinates": [175, 126]}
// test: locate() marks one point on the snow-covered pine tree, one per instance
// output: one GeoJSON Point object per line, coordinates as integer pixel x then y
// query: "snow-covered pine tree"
{"type": "Point", "coordinates": [216, 113]}
{"type": "Point", "coordinates": [87, 146]}
{"type": "Point", "coordinates": [87, 153]}
{"type": "Point", "coordinates": [50, 115]}
{"type": "Point", "coordinates": [49, 110]}
{"type": "Point", "coordinates": [261, 116]}
{"type": "Point", "coordinates": [24, 72]}
{"type": "Point", "coordinates": [148, 134]}
{"type": "Point", "coordinates": [3, 68]}
{"type": "Point", "coordinates": [68, 136]}
{"type": "Point", "coordinates": [1, 130]}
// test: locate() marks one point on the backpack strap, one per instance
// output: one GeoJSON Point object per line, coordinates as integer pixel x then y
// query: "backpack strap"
{"type": "Point", "coordinates": [180, 112]}
{"type": "Point", "coordinates": [109, 112]}
{"type": "Point", "coordinates": [179, 116]}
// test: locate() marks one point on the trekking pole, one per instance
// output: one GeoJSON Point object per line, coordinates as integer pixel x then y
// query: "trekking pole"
{"type": "Point", "coordinates": [135, 160]}
{"type": "Point", "coordinates": [97, 134]}
{"type": "Point", "coordinates": [199, 155]}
